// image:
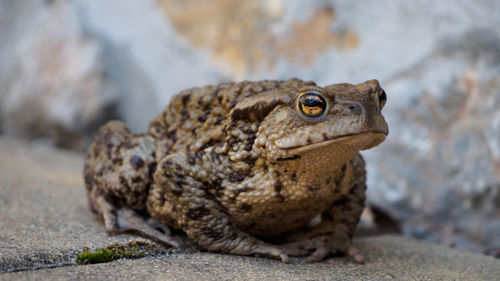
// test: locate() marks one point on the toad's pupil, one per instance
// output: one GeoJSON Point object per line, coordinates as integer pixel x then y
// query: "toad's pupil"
{"type": "Point", "coordinates": [312, 102]}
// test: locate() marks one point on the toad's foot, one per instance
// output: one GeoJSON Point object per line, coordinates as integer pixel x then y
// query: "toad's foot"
{"type": "Point", "coordinates": [261, 248]}
{"type": "Point", "coordinates": [123, 220]}
{"type": "Point", "coordinates": [318, 248]}
{"type": "Point", "coordinates": [158, 225]}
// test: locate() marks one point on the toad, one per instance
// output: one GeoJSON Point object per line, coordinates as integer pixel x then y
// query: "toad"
{"type": "Point", "coordinates": [267, 168]}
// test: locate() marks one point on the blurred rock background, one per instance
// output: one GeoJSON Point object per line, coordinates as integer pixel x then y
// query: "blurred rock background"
{"type": "Point", "coordinates": [68, 66]}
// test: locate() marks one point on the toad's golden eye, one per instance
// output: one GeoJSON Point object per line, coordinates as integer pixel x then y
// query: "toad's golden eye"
{"type": "Point", "coordinates": [312, 104]}
{"type": "Point", "coordinates": [382, 98]}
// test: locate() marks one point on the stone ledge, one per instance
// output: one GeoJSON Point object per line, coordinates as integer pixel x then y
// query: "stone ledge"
{"type": "Point", "coordinates": [388, 258]}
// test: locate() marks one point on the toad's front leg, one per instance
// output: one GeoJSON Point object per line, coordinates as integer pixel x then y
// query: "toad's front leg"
{"type": "Point", "coordinates": [334, 234]}
{"type": "Point", "coordinates": [188, 189]}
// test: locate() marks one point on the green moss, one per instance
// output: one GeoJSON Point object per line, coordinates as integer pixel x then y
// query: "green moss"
{"type": "Point", "coordinates": [99, 256]}
{"type": "Point", "coordinates": [131, 250]}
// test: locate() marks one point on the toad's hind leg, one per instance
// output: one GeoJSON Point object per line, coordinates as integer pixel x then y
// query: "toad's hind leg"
{"type": "Point", "coordinates": [192, 192]}
{"type": "Point", "coordinates": [117, 175]}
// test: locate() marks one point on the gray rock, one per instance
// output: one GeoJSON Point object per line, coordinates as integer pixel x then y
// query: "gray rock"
{"type": "Point", "coordinates": [440, 173]}
{"type": "Point", "coordinates": [52, 76]}
{"type": "Point", "coordinates": [148, 62]}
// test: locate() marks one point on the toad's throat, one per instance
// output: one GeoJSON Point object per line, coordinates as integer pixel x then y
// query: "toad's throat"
{"type": "Point", "coordinates": [360, 141]}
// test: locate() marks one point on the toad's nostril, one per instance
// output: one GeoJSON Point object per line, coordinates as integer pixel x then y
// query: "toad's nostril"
{"type": "Point", "coordinates": [354, 108]}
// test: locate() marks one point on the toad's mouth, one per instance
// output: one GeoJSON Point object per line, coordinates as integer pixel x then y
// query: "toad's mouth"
{"type": "Point", "coordinates": [357, 141]}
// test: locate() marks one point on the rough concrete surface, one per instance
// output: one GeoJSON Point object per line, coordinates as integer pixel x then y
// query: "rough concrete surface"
{"type": "Point", "coordinates": [388, 258]}
{"type": "Point", "coordinates": [44, 218]}
{"type": "Point", "coordinates": [45, 222]}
